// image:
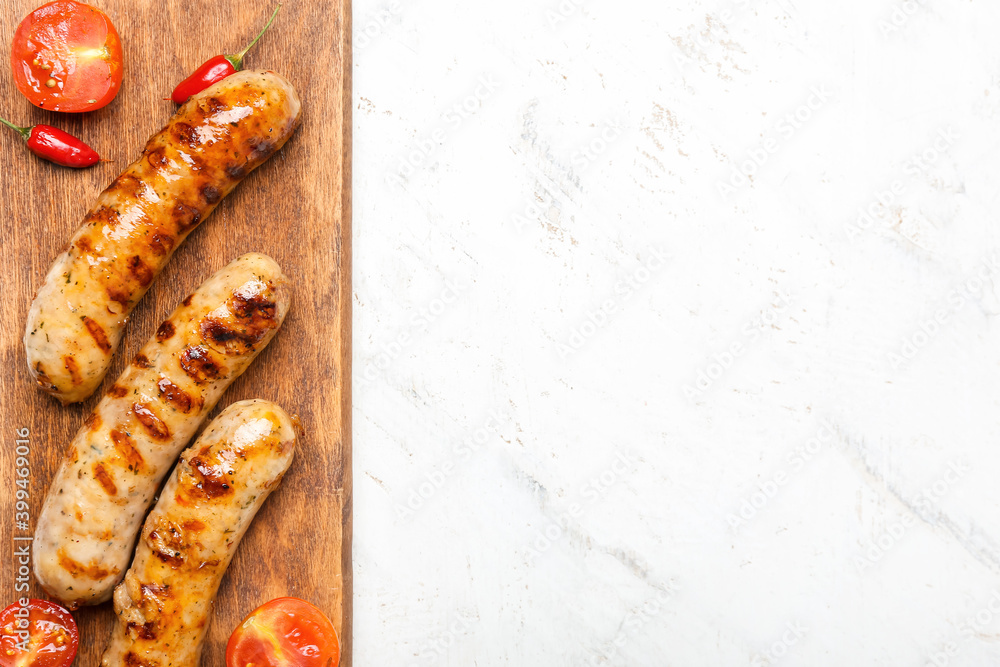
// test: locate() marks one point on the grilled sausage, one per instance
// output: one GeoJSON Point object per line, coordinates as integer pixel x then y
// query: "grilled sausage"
{"type": "Point", "coordinates": [78, 316]}
{"type": "Point", "coordinates": [164, 605]}
{"type": "Point", "coordinates": [112, 469]}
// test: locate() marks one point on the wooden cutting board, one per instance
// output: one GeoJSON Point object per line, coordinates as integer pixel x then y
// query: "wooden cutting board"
{"type": "Point", "coordinates": [296, 208]}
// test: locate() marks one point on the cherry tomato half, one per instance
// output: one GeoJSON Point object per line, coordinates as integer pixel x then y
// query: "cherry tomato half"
{"type": "Point", "coordinates": [285, 632]}
{"type": "Point", "coordinates": [41, 634]}
{"type": "Point", "coordinates": [67, 56]}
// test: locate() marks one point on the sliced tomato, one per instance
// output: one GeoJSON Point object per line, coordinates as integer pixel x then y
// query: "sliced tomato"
{"type": "Point", "coordinates": [39, 634]}
{"type": "Point", "coordinates": [285, 632]}
{"type": "Point", "coordinates": [67, 56]}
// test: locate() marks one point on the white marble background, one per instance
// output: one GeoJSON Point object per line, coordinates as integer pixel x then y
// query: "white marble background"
{"type": "Point", "coordinates": [676, 334]}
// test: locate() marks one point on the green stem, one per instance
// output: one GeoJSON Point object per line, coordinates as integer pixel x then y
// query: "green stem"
{"type": "Point", "coordinates": [25, 132]}
{"type": "Point", "coordinates": [236, 59]}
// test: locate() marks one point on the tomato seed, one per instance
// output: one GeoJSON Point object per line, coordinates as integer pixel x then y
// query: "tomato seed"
{"type": "Point", "coordinates": [51, 83]}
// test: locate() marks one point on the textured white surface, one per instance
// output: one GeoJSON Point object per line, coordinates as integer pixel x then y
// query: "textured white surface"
{"type": "Point", "coordinates": [545, 260]}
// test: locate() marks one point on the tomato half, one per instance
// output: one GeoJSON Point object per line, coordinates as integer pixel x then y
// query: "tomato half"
{"type": "Point", "coordinates": [40, 634]}
{"type": "Point", "coordinates": [285, 632]}
{"type": "Point", "coordinates": [67, 56]}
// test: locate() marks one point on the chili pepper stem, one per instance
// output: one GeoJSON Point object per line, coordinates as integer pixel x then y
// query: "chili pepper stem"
{"type": "Point", "coordinates": [236, 59]}
{"type": "Point", "coordinates": [25, 132]}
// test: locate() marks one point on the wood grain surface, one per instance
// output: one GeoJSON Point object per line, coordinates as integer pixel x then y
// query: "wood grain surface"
{"type": "Point", "coordinates": [296, 208]}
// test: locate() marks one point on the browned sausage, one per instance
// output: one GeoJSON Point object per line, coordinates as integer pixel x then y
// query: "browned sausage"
{"type": "Point", "coordinates": [78, 316]}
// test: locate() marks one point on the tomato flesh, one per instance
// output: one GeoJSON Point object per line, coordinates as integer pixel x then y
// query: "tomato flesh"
{"type": "Point", "coordinates": [67, 56]}
{"type": "Point", "coordinates": [39, 634]}
{"type": "Point", "coordinates": [285, 632]}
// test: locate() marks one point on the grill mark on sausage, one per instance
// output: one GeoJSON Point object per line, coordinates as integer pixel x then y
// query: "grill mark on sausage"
{"type": "Point", "coordinates": [229, 339]}
{"type": "Point", "coordinates": [139, 270]}
{"type": "Point", "coordinates": [104, 479]}
{"type": "Point", "coordinates": [97, 332]}
{"type": "Point", "coordinates": [194, 526]}
{"type": "Point", "coordinates": [94, 572]}
{"type": "Point", "coordinates": [186, 217]}
{"type": "Point", "coordinates": [42, 379]}
{"type": "Point", "coordinates": [151, 596]}
{"type": "Point", "coordinates": [157, 157]}
{"type": "Point", "coordinates": [166, 541]}
{"type": "Point", "coordinates": [142, 630]}
{"type": "Point", "coordinates": [93, 422]}
{"type": "Point", "coordinates": [215, 105]}
{"type": "Point", "coordinates": [236, 170]}
{"type": "Point", "coordinates": [196, 164]}
{"type": "Point", "coordinates": [165, 331]}
{"type": "Point", "coordinates": [261, 149]}
{"type": "Point", "coordinates": [169, 557]}
{"type": "Point", "coordinates": [73, 369]}
{"type": "Point", "coordinates": [161, 243]}
{"type": "Point", "coordinates": [141, 361]}
{"type": "Point", "coordinates": [118, 295]}
{"type": "Point", "coordinates": [153, 424]}
{"type": "Point", "coordinates": [211, 194]}
{"type": "Point", "coordinates": [84, 245]}
{"type": "Point", "coordinates": [210, 480]}
{"type": "Point", "coordinates": [255, 317]}
{"type": "Point", "coordinates": [104, 214]}
{"type": "Point", "coordinates": [126, 449]}
{"type": "Point", "coordinates": [117, 391]}
{"type": "Point", "coordinates": [132, 660]}
{"type": "Point", "coordinates": [127, 185]}
{"type": "Point", "coordinates": [208, 563]}
{"type": "Point", "coordinates": [197, 362]}
{"type": "Point", "coordinates": [187, 300]}
{"type": "Point", "coordinates": [257, 307]}
{"type": "Point", "coordinates": [185, 134]}
{"type": "Point", "coordinates": [174, 395]}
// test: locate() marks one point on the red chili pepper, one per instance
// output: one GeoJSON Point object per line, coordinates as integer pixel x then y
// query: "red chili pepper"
{"type": "Point", "coordinates": [56, 146]}
{"type": "Point", "coordinates": [216, 69]}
